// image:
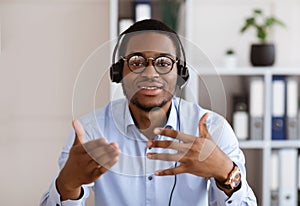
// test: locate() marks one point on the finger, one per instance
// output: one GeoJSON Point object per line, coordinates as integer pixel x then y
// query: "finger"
{"type": "Point", "coordinates": [203, 131]}
{"type": "Point", "coordinates": [164, 156]}
{"type": "Point", "coordinates": [99, 170]}
{"type": "Point", "coordinates": [79, 132]}
{"type": "Point", "coordinates": [171, 171]}
{"type": "Point", "coordinates": [103, 156]}
{"type": "Point", "coordinates": [101, 152]}
{"type": "Point", "coordinates": [94, 144]}
{"type": "Point", "coordinates": [110, 163]}
{"type": "Point", "coordinates": [115, 145]}
{"type": "Point", "coordinates": [173, 134]}
{"type": "Point", "coordinates": [181, 147]}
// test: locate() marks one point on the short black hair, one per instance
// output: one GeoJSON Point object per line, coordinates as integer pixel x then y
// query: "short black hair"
{"type": "Point", "coordinates": [152, 25]}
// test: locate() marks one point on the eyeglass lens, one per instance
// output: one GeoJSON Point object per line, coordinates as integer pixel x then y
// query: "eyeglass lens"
{"type": "Point", "coordinates": [162, 64]}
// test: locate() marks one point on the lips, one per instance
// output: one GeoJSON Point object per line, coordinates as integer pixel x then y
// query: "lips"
{"type": "Point", "coordinates": [150, 88]}
{"type": "Point", "coordinates": [149, 85]}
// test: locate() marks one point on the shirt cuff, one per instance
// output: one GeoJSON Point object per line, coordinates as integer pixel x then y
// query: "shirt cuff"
{"type": "Point", "coordinates": [54, 197]}
{"type": "Point", "coordinates": [244, 194]}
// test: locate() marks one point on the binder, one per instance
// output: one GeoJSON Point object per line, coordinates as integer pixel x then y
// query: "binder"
{"type": "Point", "coordinates": [274, 178]}
{"type": "Point", "coordinates": [256, 108]}
{"type": "Point", "coordinates": [292, 108]}
{"type": "Point", "coordinates": [288, 177]}
{"type": "Point", "coordinates": [278, 108]}
{"type": "Point", "coordinates": [142, 10]}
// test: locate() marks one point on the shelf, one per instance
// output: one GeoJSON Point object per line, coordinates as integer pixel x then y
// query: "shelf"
{"type": "Point", "coordinates": [252, 144]}
{"type": "Point", "coordinates": [233, 72]}
{"type": "Point", "coordinates": [248, 71]}
{"type": "Point", "coordinates": [277, 144]}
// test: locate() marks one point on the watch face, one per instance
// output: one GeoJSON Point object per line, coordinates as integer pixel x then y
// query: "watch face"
{"type": "Point", "coordinates": [236, 179]}
{"type": "Point", "coordinates": [233, 180]}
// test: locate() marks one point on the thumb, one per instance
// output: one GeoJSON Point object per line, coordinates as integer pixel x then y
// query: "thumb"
{"type": "Point", "coordinates": [79, 132]}
{"type": "Point", "coordinates": [203, 131]}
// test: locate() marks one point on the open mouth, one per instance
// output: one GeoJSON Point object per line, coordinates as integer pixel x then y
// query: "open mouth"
{"type": "Point", "coordinates": [150, 87]}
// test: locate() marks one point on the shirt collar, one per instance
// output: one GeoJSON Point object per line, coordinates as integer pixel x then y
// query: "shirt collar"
{"type": "Point", "coordinates": [172, 122]}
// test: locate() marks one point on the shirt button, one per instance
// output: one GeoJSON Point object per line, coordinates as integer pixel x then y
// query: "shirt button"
{"type": "Point", "coordinates": [230, 201]}
{"type": "Point", "coordinates": [150, 178]}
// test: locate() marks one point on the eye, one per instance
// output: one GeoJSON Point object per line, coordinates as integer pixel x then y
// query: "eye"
{"type": "Point", "coordinates": [163, 62]}
{"type": "Point", "coordinates": [136, 62]}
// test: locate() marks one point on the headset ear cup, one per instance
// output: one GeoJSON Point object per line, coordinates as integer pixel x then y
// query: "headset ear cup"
{"type": "Point", "coordinates": [183, 75]}
{"type": "Point", "coordinates": [116, 71]}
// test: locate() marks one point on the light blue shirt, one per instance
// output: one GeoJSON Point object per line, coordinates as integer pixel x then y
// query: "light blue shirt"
{"type": "Point", "coordinates": [131, 181]}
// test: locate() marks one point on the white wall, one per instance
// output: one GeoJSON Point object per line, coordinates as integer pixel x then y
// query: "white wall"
{"type": "Point", "coordinates": [44, 43]}
{"type": "Point", "coordinates": [218, 23]}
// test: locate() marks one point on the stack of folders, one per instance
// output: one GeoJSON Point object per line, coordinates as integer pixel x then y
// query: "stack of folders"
{"type": "Point", "coordinates": [284, 108]}
{"type": "Point", "coordinates": [256, 107]}
{"type": "Point", "coordinates": [284, 178]}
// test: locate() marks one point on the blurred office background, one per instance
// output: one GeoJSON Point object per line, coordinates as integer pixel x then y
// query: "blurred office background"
{"type": "Point", "coordinates": [43, 46]}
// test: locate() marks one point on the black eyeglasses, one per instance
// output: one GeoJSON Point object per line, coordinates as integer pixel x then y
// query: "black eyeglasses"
{"type": "Point", "coordinates": [137, 63]}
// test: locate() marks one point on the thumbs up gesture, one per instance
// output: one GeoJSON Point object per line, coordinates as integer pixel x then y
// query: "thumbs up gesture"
{"type": "Point", "coordinates": [200, 156]}
{"type": "Point", "coordinates": [85, 164]}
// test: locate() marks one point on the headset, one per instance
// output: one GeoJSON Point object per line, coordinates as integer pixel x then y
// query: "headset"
{"type": "Point", "coordinates": [116, 69]}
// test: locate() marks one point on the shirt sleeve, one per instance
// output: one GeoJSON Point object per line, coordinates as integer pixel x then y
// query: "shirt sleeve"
{"type": "Point", "coordinates": [52, 197]}
{"type": "Point", "coordinates": [243, 196]}
{"type": "Point", "coordinates": [225, 138]}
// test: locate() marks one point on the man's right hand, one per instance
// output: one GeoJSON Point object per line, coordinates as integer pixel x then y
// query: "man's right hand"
{"type": "Point", "coordinates": [85, 164]}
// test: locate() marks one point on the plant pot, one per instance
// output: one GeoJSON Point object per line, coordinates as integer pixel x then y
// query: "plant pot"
{"type": "Point", "coordinates": [230, 61]}
{"type": "Point", "coordinates": [262, 54]}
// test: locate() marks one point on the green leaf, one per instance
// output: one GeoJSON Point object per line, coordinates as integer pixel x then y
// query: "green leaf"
{"type": "Point", "coordinates": [269, 21]}
{"type": "Point", "coordinates": [257, 11]}
{"type": "Point", "coordinates": [280, 23]}
{"type": "Point", "coordinates": [261, 29]}
{"type": "Point", "coordinates": [261, 33]}
{"type": "Point", "coordinates": [249, 22]}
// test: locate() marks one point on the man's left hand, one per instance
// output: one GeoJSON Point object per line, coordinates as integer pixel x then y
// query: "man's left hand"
{"type": "Point", "coordinates": [200, 156]}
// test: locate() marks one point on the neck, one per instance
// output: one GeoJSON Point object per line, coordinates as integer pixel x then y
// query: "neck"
{"type": "Point", "coordinates": [146, 121]}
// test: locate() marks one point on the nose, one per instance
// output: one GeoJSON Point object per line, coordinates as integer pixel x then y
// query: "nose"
{"type": "Point", "coordinates": [150, 71]}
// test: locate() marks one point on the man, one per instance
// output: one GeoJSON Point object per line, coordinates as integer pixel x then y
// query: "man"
{"type": "Point", "coordinates": [148, 149]}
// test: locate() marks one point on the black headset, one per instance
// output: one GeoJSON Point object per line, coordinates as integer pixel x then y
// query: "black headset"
{"type": "Point", "coordinates": [116, 69]}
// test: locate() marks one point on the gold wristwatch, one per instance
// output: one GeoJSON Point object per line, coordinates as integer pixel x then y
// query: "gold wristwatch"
{"type": "Point", "coordinates": [233, 180]}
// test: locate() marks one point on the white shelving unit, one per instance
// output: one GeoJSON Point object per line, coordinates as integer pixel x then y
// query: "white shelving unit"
{"type": "Point", "coordinates": [260, 149]}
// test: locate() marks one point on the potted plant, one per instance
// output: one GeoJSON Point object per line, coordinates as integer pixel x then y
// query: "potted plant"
{"type": "Point", "coordinates": [262, 53]}
{"type": "Point", "coordinates": [230, 59]}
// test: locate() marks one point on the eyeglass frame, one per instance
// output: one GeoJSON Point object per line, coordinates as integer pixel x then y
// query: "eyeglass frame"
{"type": "Point", "coordinates": [153, 59]}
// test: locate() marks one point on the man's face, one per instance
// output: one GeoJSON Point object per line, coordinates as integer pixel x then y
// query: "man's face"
{"type": "Point", "coordinates": [149, 89]}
